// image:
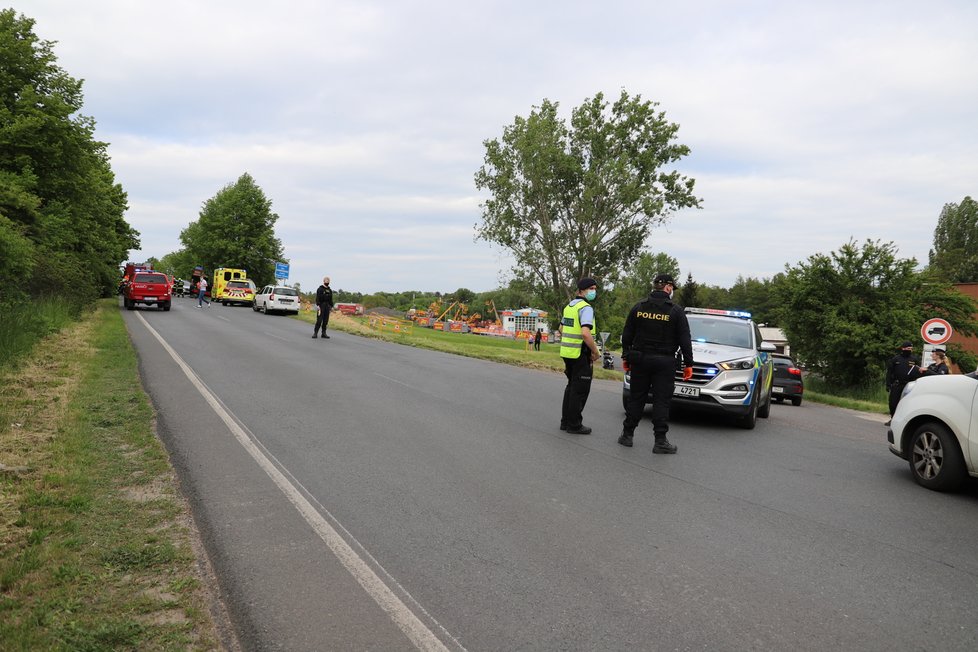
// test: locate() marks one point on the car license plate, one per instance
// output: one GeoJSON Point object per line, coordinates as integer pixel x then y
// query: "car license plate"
{"type": "Point", "coordinates": [150, 298]}
{"type": "Point", "coordinates": [778, 390]}
{"type": "Point", "coordinates": [685, 390]}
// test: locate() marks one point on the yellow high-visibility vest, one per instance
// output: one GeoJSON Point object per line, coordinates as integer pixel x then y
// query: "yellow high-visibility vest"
{"type": "Point", "coordinates": [572, 337]}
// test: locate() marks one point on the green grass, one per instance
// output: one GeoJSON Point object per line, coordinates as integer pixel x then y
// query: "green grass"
{"type": "Point", "coordinates": [23, 324]}
{"type": "Point", "coordinates": [93, 553]}
{"type": "Point", "coordinates": [496, 349]}
{"type": "Point", "coordinates": [864, 399]}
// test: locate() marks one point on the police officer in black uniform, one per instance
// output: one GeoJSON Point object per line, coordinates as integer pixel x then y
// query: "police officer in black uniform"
{"type": "Point", "coordinates": [324, 303]}
{"type": "Point", "coordinates": [902, 368]}
{"type": "Point", "coordinates": [654, 329]}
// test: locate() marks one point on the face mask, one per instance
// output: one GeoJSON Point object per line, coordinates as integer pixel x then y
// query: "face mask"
{"type": "Point", "coordinates": [590, 294]}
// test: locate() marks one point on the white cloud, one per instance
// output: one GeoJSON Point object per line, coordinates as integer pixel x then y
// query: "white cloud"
{"type": "Point", "coordinates": [363, 122]}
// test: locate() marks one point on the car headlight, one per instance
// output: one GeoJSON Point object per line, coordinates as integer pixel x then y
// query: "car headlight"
{"type": "Point", "coordinates": [731, 365]}
{"type": "Point", "coordinates": [908, 388]}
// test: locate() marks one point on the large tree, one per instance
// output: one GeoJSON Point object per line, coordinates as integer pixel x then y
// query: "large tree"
{"type": "Point", "coordinates": [577, 201]}
{"type": "Point", "coordinates": [62, 229]}
{"type": "Point", "coordinates": [955, 252]}
{"type": "Point", "coordinates": [236, 228]}
{"type": "Point", "coordinates": [844, 313]}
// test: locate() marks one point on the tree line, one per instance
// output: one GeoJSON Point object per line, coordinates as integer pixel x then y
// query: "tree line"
{"type": "Point", "coordinates": [566, 199]}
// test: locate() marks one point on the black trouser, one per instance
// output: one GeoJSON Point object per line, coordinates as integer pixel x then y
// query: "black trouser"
{"type": "Point", "coordinates": [578, 372]}
{"type": "Point", "coordinates": [896, 391]}
{"type": "Point", "coordinates": [658, 373]}
{"type": "Point", "coordinates": [322, 319]}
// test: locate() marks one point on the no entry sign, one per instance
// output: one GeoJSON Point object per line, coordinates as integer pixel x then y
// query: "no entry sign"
{"type": "Point", "coordinates": [936, 331]}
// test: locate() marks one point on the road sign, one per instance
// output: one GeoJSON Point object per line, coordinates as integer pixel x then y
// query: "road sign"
{"type": "Point", "coordinates": [282, 271]}
{"type": "Point", "coordinates": [936, 331]}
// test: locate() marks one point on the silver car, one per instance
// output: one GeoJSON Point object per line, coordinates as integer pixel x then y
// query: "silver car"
{"type": "Point", "coordinates": [277, 298]}
{"type": "Point", "coordinates": [732, 367]}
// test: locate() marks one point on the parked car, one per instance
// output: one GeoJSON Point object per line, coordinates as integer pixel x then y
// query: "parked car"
{"type": "Point", "coordinates": [935, 428]}
{"type": "Point", "coordinates": [235, 292]}
{"type": "Point", "coordinates": [732, 368]}
{"type": "Point", "coordinates": [149, 288]}
{"type": "Point", "coordinates": [277, 298]}
{"type": "Point", "coordinates": [787, 383]}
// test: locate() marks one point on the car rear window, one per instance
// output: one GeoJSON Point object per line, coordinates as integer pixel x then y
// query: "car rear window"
{"type": "Point", "coordinates": [238, 284]}
{"type": "Point", "coordinates": [150, 278]}
{"type": "Point", "coordinates": [289, 292]}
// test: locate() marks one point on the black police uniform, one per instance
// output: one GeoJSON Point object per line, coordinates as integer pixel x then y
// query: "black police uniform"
{"type": "Point", "coordinates": [324, 301]}
{"type": "Point", "coordinates": [654, 329]}
{"type": "Point", "coordinates": [902, 369]}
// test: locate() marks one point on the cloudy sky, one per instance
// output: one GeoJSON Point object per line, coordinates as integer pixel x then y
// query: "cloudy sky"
{"type": "Point", "coordinates": [810, 123]}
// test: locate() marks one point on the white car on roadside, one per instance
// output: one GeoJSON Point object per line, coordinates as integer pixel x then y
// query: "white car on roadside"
{"type": "Point", "coordinates": [935, 428]}
{"type": "Point", "coordinates": [277, 298]}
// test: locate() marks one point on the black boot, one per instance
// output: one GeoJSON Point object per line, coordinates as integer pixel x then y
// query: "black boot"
{"type": "Point", "coordinates": [626, 437]}
{"type": "Point", "coordinates": [663, 446]}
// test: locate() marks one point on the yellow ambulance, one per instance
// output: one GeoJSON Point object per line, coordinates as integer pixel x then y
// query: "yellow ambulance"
{"type": "Point", "coordinates": [232, 286]}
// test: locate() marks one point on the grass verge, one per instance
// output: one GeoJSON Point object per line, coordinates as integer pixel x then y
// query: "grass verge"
{"type": "Point", "coordinates": [496, 349]}
{"type": "Point", "coordinates": [95, 542]}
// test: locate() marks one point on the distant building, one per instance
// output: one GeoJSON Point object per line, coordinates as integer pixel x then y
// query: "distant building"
{"type": "Point", "coordinates": [524, 320]}
{"type": "Point", "coordinates": [776, 337]}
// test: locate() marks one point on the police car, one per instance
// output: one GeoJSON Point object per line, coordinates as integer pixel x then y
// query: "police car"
{"type": "Point", "coordinates": [732, 367]}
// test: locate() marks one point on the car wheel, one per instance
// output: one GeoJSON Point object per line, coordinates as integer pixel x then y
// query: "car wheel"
{"type": "Point", "coordinates": [765, 411]}
{"type": "Point", "coordinates": [749, 420]}
{"type": "Point", "coordinates": [935, 459]}
{"type": "Point", "coordinates": [166, 306]}
{"type": "Point", "coordinates": [796, 401]}
{"type": "Point", "coordinates": [254, 307]}
{"type": "Point", "coordinates": [129, 304]}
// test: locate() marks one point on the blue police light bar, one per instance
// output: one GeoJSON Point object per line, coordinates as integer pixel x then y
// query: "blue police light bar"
{"type": "Point", "coordinates": [723, 313]}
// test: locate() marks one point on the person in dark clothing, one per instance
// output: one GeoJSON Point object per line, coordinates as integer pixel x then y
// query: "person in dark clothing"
{"type": "Point", "coordinates": [902, 369]}
{"type": "Point", "coordinates": [654, 330]}
{"type": "Point", "coordinates": [324, 303]}
{"type": "Point", "coordinates": [579, 351]}
{"type": "Point", "coordinates": [939, 365]}
{"type": "Point", "coordinates": [536, 339]}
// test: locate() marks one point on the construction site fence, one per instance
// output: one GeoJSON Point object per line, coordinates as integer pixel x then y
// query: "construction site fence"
{"type": "Point", "coordinates": [390, 324]}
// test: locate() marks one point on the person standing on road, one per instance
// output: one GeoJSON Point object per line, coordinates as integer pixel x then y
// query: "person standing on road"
{"type": "Point", "coordinates": [201, 290]}
{"type": "Point", "coordinates": [654, 329]}
{"type": "Point", "coordinates": [579, 351]}
{"type": "Point", "coordinates": [324, 303]}
{"type": "Point", "coordinates": [902, 368]}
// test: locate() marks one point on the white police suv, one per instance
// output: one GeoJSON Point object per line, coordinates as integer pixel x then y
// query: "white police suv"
{"type": "Point", "coordinates": [732, 367]}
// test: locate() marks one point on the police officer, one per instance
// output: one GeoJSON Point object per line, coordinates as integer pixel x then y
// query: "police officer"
{"type": "Point", "coordinates": [324, 303]}
{"type": "Point", "coordinates": [579, 351]}
{"type": "Point", "coordinates": [654, 329]}
{"type": "Point", "coordinates": [902, 368]}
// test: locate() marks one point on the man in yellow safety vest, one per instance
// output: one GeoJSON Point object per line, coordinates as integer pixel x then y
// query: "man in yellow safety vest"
{"type": "Point", "coordinates": [579, 351]}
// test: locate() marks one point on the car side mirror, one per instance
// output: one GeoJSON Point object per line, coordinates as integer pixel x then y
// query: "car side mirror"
{"type": "Point", "coordinates": [767, 346]}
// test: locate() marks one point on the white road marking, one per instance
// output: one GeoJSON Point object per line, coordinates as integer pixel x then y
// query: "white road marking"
{"type": "Point", "coordinates": [420, 635]}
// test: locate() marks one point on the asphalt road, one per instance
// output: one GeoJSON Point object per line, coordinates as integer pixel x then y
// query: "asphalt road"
{"type": "Point", "coordinates": [357, 494]}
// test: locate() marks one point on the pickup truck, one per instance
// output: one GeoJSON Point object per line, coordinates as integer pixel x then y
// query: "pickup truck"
{"type": "Point", "coordinates": [149, 288]}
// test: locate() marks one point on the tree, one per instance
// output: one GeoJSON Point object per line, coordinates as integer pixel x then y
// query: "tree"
{"type": "Point", "coordinates": [955, 252]}
{"type": "Point", "coordinates": [845, 312]}
{"type": "Point", "coordinates": [61, 211]}
{"type": "Point", "coordinates": [689, 292]}
{"type": "Point", "coordinates": [578, 201]}
{"type": "Point", "coordinates": [236, 228]}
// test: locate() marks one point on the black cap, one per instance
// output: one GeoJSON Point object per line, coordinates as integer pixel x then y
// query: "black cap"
{"type": "Point", "coordinates": [663, 279]}
{"type": "Point", "coordinates": [907, 344]}
{"type": "Point", "coordinates": [940, 349]}
{"type": "Point", "coordinates": [585, 283]}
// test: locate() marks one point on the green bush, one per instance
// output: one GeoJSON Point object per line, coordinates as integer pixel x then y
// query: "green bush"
{"type": "Point", "coordinates": [22, 324]}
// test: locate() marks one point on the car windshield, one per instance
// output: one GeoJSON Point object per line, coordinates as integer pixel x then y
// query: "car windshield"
{"type": "Point", "coordinates": [723, 330]}
{"type": "Point", "coordinates": [289, 292]}
{"type": "Point", "coordinates": [150, 278]}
